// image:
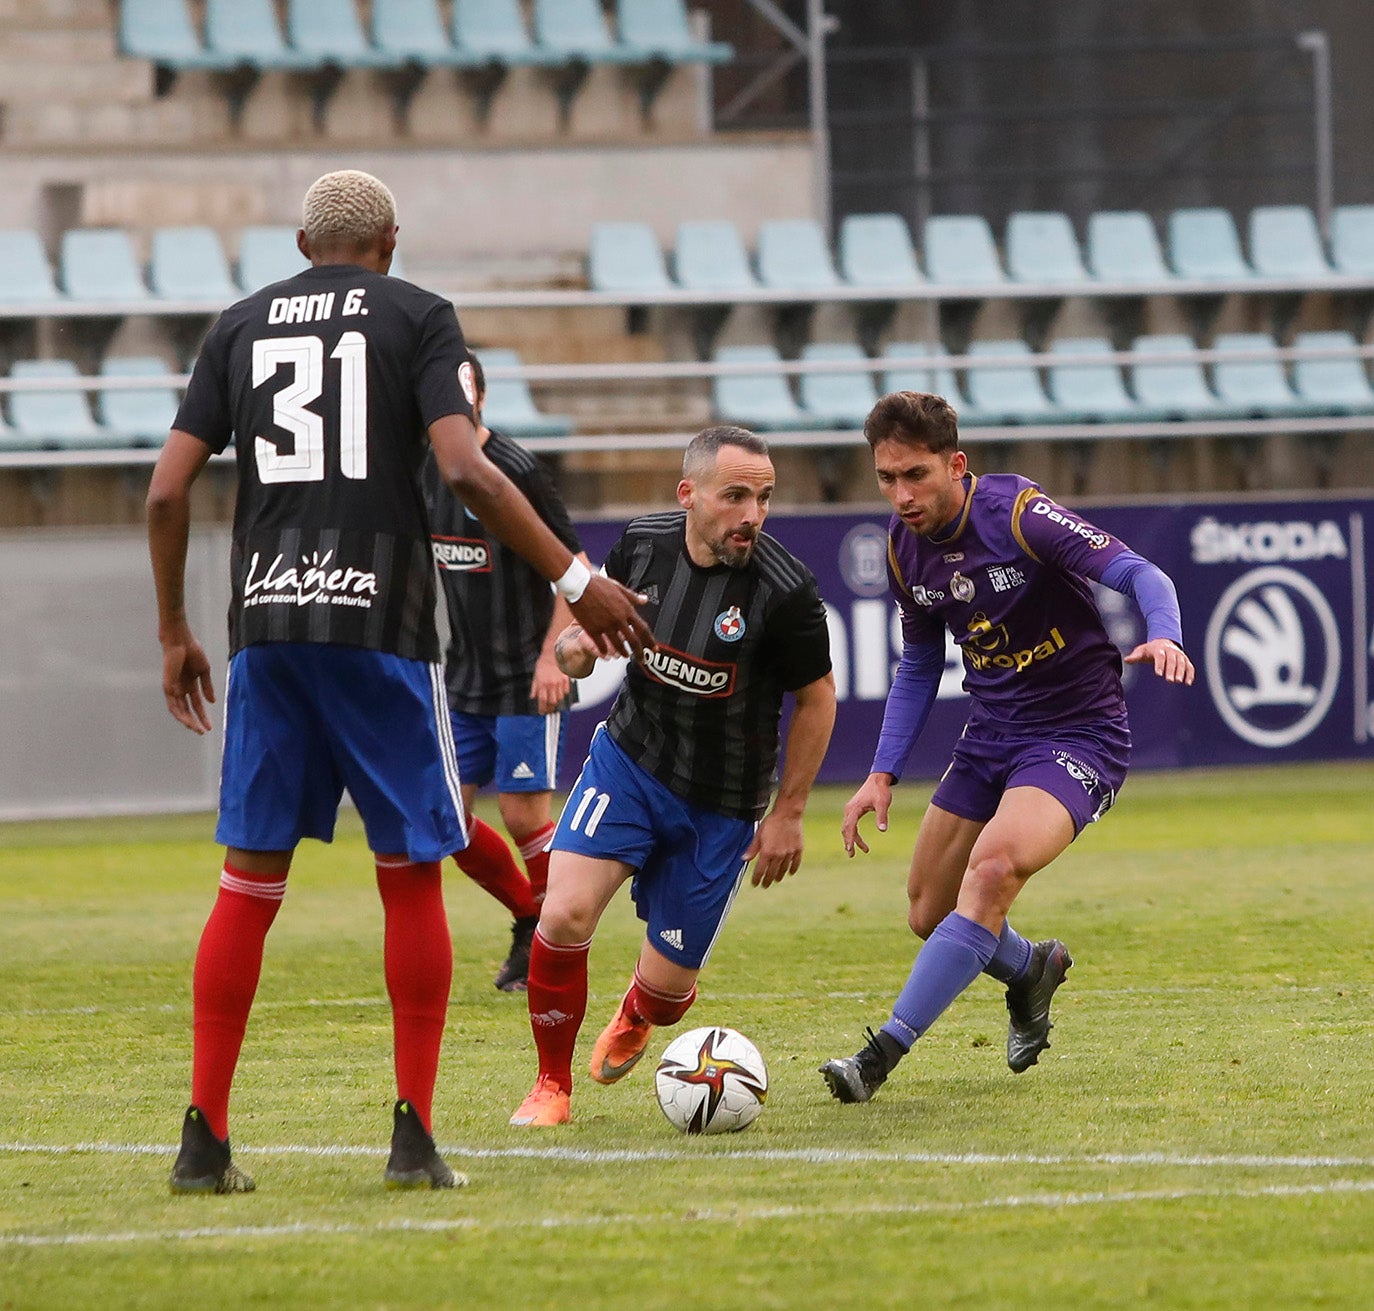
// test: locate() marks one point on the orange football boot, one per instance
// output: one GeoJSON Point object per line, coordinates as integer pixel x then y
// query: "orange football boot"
{"type": "Point", "coordinates": [547, 1104]}
{"type": "Point", "coordinates": [619, 1047]}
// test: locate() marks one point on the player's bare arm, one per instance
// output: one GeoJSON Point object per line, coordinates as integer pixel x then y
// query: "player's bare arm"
{"type": "Point", "coordinates": [1169, 660]}
{"type": "Point", "coordinates": [550, 684]}
{"type": "Point", "coordinates": [874, 795]}
{"type": "Point", "coordinates": [186, 681]}
{"type": "Point", "coordinates": [607, 610]}
{"type": "Point", "coordinates": [778, 841]}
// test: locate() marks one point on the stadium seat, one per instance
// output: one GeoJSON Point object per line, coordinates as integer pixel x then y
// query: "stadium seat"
{"type": "Point", "coordinates": [161, 32]}
{"type": "Point", "coordinates": [1203, 245]}
{"type": "Point", "coordinates": [329, 32]}
{"type": "Point", "coordinates": [246, 32]}
{"type": "Point", "coordinates": [510, 407]}
{"type": "Point", "coordinates": [760, 400]}
{"type": "Point", "coordinates": [575, 30]}
{"type": "Point", "coordinates": [137, 418]}
{"type": "Point", "coordinates": [1337, 386]}
{"type": "Point", "coordinates": [793, 256]}
{"type": "Point", "coordinates": [1124, 247]}
{"type": "Point", "coordinates": [1178, 390]}
{"type": "Point", "coordinates": [710, 256]}
{"type": "Point", "coordinates": [1042, 248]}
{"type": "Point", "coordinates": [660, 28]}
{"type": "Point", "coordinates": [1285, 243]}
{"type": "Point", "coordinates": [960, 251]}
{"type": "Point", "coordinates": [99, 264]}
{"type": "Point", "coordinates": [54, 420]}
{"type": "Point", "coordinates": [1259, 388]}
{"type": "Point", "coordinates": [25, 274]}
{"type": "Point", "coordinates": [1092, 389]}
{"type": "Point", "coordinates": [839, 400]}
{"type": "Point", "coordinates": [625, 257]}
{"type": "Point", "coordinates": [1007, 394]}
{"type": "Point", "coordinates": [493, 31]}
{"type": "Point", "coordinates": [876, 251]}
{"type": "Point", "coordinates": [1352, 240]}
{"type": "Point", "coordinates": [189, 264]}
{"type": "Point", "coordinates": [411, 31]}
{"type": "Point", "coordinates": [267, 255]}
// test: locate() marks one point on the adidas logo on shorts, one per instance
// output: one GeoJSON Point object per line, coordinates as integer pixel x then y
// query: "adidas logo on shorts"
{"type": "Point", "coordinates": [673, 937]}
{"type": "Point", "coordinates": [522, 770]}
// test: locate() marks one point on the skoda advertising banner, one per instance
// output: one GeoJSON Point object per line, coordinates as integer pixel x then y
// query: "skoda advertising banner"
{"type": "Point", "coordinates": [1276, 616]}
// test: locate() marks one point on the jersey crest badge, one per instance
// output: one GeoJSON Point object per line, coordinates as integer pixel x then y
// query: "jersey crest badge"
{"type": "Point", "coordinates": [730, 625]}
{"type": "Point", "coordinates": [961, 587]}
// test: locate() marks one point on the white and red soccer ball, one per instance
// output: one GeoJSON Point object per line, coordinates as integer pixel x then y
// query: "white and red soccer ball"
{"type": "Point", "coordinates": [711, 1080]}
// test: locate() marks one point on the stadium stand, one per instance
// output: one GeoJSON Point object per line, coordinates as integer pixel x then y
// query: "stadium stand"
{"type": "Point", "coordinates": [660, 28]}
{"type": "Point", "coordinates": [1352, 240]}
{"type": "Point", "coordinates": [25, 274]}
{"type": "Point", "coordinates": [575, 31]}
{"type": "Point", "coordinates": [246, 33]}
{"type": "Point", "coordinates": [189, 264]}
{"type": "Point", "coordinates": [54, 419]}
{"type": "Point", "coordinates": [1178, 390]}
{"type": "Point", "coordinates": [411, 31]}
{"type": "Point", "coordinates": [709, 256]}
{"type": "Point", "coordinates": [837, 400]}
{"type": "Point", "coordinates": [1092, 389]}
{"type": "Point", "coordinates": [760, 400]}
{"type": "Point", "coordinates": [875, 250]}
{"type": "Point", "coordinates": [328, 31]}
{"type": "Point", "coordinates": [1003, 395]}
{"type": "Point", "coordinates": [267, 255]}
{"type": "Point", "coordinates": [136, 418]}
{"type": "Point", "coordinates": [1042, 248]}
{"type": "Point", "coordinates": [161, 32]}
{"type": "Point", "coordinates": [626, 257]}
{"type": "Point", "coordinates": [1285, 243]}
{"type": "Point", "coordinates": [1123, 246]}
{"type": "Point", "coordinates": [99, 264]}
{"type": "Point", "coordinates": [510, 405]}
{"type": "Point", "coordinates": [493, 31]}
{"type": "Point", "coordinates": [1204, 245]}
{"type": "Point", "coordinates": [960, 251]}
{"type": "Point", "coordinates": [793, 256]}
{"type": "Point", "coordinates": [1337, 386]}
{"type": "Point", "coordinates": [941, 380]}
{"type": "Point", "coordinates": [1255, 388]}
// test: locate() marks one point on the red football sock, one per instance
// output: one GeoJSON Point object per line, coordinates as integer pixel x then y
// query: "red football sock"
{"type": "Point", "coordinates": [558, 1003]}
{"type": "Point", "coordinates": [654, 1005]}
{"type": "Point", "coordinates": [418, 955]}
{"type": "Point", "coordinates": [488, 862]}
{"type": "Point", "coordinates": [228, 963]}
{"type": "Point", "coordinates": [532, 852]}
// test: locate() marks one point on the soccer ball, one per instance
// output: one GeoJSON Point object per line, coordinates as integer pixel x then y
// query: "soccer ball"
{"type": "Point", "coordinates": [711, 1081]}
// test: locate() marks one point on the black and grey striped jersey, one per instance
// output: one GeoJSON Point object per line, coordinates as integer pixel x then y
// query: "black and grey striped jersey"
{"type": "Point", "coordinates": [701, 713]}
{"type": "Point", "coordinates": [329, 382]}
{"type": "Point", "coordinates": [499, 605]}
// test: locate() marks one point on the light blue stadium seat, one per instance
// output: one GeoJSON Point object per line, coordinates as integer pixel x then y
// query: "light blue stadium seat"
{"type": "Point", "coordinates": [876, 251]}
{"type": "Point", "coordinates": [576, 30]}
{"type": "Point", "coordinates": [1093, 389]}
{"type": "Point", "coordinates": [660, 27]}
{"type": "Point", "coordinates": [625, 257]}
{"type": "Point", "coordinates": [840, 400]}
{"type": "Point", "coordinates": [1041, 247]}
{"type": "Point", "coordinates": [161, 31]}
{"type": "Point", "coordinates": [1179, 390]}
{"type": "Point", "coordinates": [1285, 243]}
{"type": "Point", "coordinates": [99, 264]}
{"type": "Point", "coordinates": [1259, 387]}
{"type": "Point", "coordinates": [1204, 245]}
{"type": "Point", "coordinates": [25, 274]}
{"type": "Point", "coordinates": [411, 31]}
{"type": "Point", "coordinates": [494, 31]}
{"type": "Point", "coordinates": [510, 407]}
{"type": "Point", "coordinates": [1006, 395]}
{"type": "Point", "coordinates": [762, 401]}
{"type": "Point", "coordinates": [709, 256]}
{"type": "Point", "coordinates": [329, 32]}
{"type": "Point", "coordinates": [937, 381]}
{"type": "Point", "coordinates": [1352, 240]}
{"type": "Point", "coordinates": [793, 256]}
{"type": "Point", "coordinates": [137, 418]}
{"type": "Point", "coordinates": [246, 32]}
{"type": "Point", "coordinates": [960, 251]}
{"type": "Point", "coordinates": [54, 420]}
{"type": "Point", "coordinates": [1337, 386]}
{"type": "Point", "coordinates": [267, 255]}
{"type": "Point", "coordinates": [1123, 246]}
{"type": "Point", "coordinates": [189, 264]}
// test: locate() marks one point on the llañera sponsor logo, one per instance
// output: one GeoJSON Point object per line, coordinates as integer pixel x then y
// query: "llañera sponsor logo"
{"type": "Point", "coordinates": [315, 581]}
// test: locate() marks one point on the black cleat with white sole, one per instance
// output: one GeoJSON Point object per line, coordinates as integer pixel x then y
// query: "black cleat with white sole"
{"type": "Point", "coordinates": [856, 1078]}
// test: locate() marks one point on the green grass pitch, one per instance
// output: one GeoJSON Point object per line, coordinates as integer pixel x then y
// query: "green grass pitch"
{"type": "Point", "coordinates": [1201, 1133]}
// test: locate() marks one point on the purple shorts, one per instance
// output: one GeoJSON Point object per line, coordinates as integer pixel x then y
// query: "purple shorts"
{"type": "Point", "coordinates": [1082, 767]}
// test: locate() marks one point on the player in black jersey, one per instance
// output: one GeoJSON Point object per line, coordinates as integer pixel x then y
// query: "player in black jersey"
{"type": "Point", "coordinates": [330, 381]}
{"type": "Point", "coordinates": [506, 692]}
{"type": "Point", "coordinates": [677, 781]}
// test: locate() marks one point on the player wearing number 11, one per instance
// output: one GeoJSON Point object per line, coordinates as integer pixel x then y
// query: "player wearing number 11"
{"type": "Point", "coordinates": [331, 381]}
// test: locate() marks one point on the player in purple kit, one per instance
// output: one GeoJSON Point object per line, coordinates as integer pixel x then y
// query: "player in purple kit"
{"type": "Point", "coordinates": [1046, 745]}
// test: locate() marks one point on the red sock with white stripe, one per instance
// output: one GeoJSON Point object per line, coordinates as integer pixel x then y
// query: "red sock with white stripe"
{"type": "Point", "coordinates": [557, 995]}
{"type": "Point", "coordinates": [228, 964]}
{"type": "Point", "coordinates": [418, 955]}
{"type": "Point", "coordinates": [645, 1004]}
{"type": "Point", "coordinates": [534, 852]}
{"type": "Point", "coordinates": [488, 862]}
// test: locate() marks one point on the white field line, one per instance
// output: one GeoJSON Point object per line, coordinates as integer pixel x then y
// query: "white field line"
{"type": "Point", "coordinates": [691, 1215]}
{"type": "Point", "coordinates": [805, 1155]}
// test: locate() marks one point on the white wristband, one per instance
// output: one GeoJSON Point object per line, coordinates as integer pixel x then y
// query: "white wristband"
{"type": "Point", "coordinates": [574, 581]}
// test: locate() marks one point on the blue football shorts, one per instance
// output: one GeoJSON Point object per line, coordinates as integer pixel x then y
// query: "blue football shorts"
{"type": "Point", "coordinates": [520, 752]}
{"type": "Point", "coordinates": [303, 721]}
{"type": "Point", "coordinates": [689, 862]}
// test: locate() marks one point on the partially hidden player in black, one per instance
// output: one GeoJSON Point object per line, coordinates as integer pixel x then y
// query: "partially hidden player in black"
{"type": "Point", "coordinates": [333, 384]}
{"type": "Point", "coordinates": [506, 694]}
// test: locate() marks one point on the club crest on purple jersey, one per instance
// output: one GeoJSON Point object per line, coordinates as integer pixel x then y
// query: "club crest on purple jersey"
{"type": "Point", "coordinates": [961, 587]}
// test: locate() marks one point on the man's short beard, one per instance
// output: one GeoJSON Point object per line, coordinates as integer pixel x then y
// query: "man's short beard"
{"type": "Point", "coordinates": [736, 557]}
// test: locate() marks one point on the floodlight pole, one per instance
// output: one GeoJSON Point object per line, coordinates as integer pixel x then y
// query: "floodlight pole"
{"type": "Point", "coordinates": [819, 25]}
{"type": "Point", "coordinates": [1318, 45]}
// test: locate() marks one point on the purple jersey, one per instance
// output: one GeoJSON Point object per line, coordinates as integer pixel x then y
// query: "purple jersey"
{"type": "Point", "coordinates": [1008, 580]}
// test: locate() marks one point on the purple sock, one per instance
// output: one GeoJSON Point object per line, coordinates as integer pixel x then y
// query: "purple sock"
{"type": "Point", "coordinates": [953, 956]}
{"type": "Point", "coordinates": [1011, 960]}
